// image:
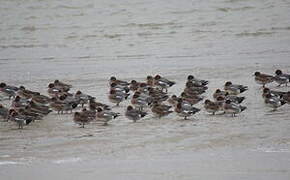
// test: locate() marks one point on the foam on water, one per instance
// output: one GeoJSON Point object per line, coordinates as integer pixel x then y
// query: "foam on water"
{"type": "Point", "coordinates": [68, 160]}
{"type": "Point", "coordinates": [2, 163]}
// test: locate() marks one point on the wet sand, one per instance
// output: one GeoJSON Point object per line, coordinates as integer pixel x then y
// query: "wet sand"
{"type": "Point", "coordinates": [86, 42]}
{"type": "Point", "coordinates": [253, 145]}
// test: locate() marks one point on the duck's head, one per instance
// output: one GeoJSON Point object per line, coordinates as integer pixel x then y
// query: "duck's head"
{"type": "Point", "coordinates": [50, 85]}
{"type": "Point", "coordinates": [11, 111]}
{"type": "Point", "coordinates": [228, 102]}
{"type": "Point", "coordinates": [2, 85]}
{"type": "Point", "coordinates": [149, 78]}
{"type": "Point", "coordinates": [218, 91]}
{"type": "Point", "coordinates": [257, 73]}
{"type": "Point", "coordinates": [157, 77]}
{"type": "Point", "coordinates": [190, 77]}
{"type": "Point", "coordinates": [228, 83]}
{"type": "Point", "coordinates": [266, 90]}
{"type": "Point", "coordinates": [206, 101]}
{"type": "Point", "coordinates": [113, 78]}
{"type": "Point", "coordinates": [278, 72]}
{"type": "Point", "coordinates": [133, 82]}
{"type": "Point", "coordinates": [129, 108]}
{"type": "Point", "coordinates": [135, 96]}
{"type": "Point", "coordinates": [62, 97]}
{"type": "Point", "coordinates": [183, 94]}
{"type": "Point", "coordinates": [17, 99]}
{"type": "Point", "coordinates": [173, 96]}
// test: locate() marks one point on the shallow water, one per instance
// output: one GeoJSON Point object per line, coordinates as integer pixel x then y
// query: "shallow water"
{"type": "Point", "coordinates": [85, 42]}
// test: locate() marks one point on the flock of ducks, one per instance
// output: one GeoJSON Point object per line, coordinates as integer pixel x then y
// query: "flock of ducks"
{"type": "Point", "coordinates": [274, 99]}
{"type": "Point", "coordinates": [150, 95]}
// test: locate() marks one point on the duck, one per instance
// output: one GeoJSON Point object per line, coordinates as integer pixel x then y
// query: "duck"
{"type": "Point", "coordinates": [105, 116]}
{"type": "Point", "coordinates": [8, 91]}
{"type": "Point", "coordinates": [26, 112]}
{"type": "Point", "coordinates": [273, 102]}
{"type": "Point", "coordinates": [114, 80]}
{"type": "Point", "coordinates": [157, 95]}
{"type": "Point", "coordinates": [54, 88]}
{"type": "Point", "coordinates": [117, 97]}
{"type": "Point", "coordinates": [218, 93]}
{"type": "Point", "coordinates": [281, 78]}
{"type": "Point", "coordinates": [134, 114]}
{"type": "Point", "coordinates": [273, 92]}
{"type": "Point", "coordinates": [93, 102]}
{"type": "Point", "coordinates": [163, 83]}
{"type": "Point", "coordinates": [19, 102]}
{"type": "Point", "coordinates": [25, 93]}
{"type": "Point", "coordinates": [234, 98]}
{"type": "Point", "coordinates": [81, 118]}
{"type": "Point", "coordinates": [139, 102]}
{"type": "Point", "coordinates": [3, 112]}
{"type": "Point", "coordinates": [232, 108]}
{"type": "Point", "coordinates": [211, 106]}
{"type": "Point", "coordinates": [286, 97]}
{"type": "Point", "coordinates": [82, 98]}
{"type": "Point", "coordinates": [144, 88]}
{"type": "Point", "coordinates": [150, 81]}
{"type": "Point", "coordinates": [185, 111]}
{"type": "Point", "coordinates": [191, 78]}
{"type": "Point", "coordinates": [234, 89]}
{"type": "Point", "coordinates": [173, 100]}
{"type": "Point", "coordinates": [193, 91]}
{"type": "Point", "coordinates": [134, 85]}
{"type": "Point", "coordinates": [62, 84]}
{"type": "Point", "coordinates": [61, 107]}
{"type": "Point", "coordinates": [39, 109]}
{"type": "Point", "coordinates": [53, 91]}
{"type": "Point", "coordinates": [161, 110]}
{"type": "Point", "coordinates": [91, 113]}
{"type": "Point", "coordinates": [120, 88]}
{"type": "Point", "coordinates": [19, 119]}
{"type": "Point", "coordinates": [220, 102]}
{"type": "Point", "coordinates": [195, 86]}
{"type": "Point", "coordinates": [40, 99]}
{"type": "Point", "coordinates": [191, 99]}
{"type": "Point", "coordinates": [263, 79]}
